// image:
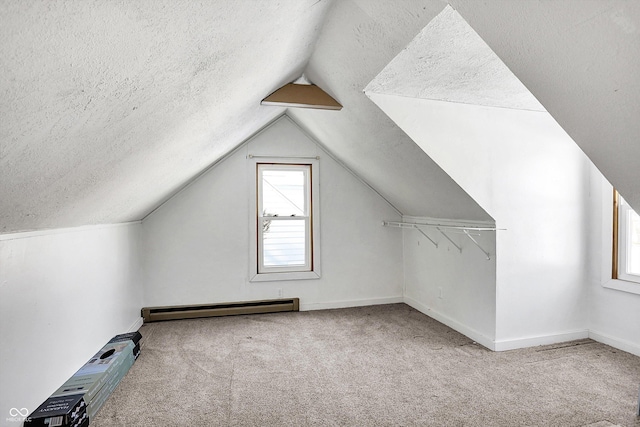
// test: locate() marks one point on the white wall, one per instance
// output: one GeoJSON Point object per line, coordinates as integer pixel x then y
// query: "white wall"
{"type": "Point", "coordinates": [531, 178]}
{"type": "Point", "coordinates": [455, 288]}
{"type": "Point", "coordinates": [63, 294]}
{"type": "Point", "coordinates": [580, 59]}
{"type": "Point", "coordinates": [614, 305]}
{"type": "Point", "coordinates": [196, 246]}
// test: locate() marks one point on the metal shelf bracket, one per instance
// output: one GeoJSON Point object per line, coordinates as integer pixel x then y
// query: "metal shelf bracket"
{"type": "Point", "coordinates": [441, 227]}
{"type": "Point", "coordinates": [459, 248]}
{"type": "Point", "coordinates": [477, 244]}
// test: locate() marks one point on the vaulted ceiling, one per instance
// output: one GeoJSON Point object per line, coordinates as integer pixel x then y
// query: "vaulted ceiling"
{"type": "Point", "coordinates": [109, 108]}
{"type": "Point", "coordinates": [358, 40]}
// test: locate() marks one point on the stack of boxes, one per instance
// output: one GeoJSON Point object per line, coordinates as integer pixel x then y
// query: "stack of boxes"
{"type": "Point", "coordinates": [78, 400]}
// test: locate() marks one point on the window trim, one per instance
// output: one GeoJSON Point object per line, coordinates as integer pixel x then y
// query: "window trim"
{"type": "Point", "coordinates": [314, 223]}
{"type": "Point", "coordinates": [307, 217]}
{"type": "Point", "coordinates": [621, 216]}
{"type": "Point", "coordinates": [615, 237]}
{"type": "Point", "coordinates": [606, 243]}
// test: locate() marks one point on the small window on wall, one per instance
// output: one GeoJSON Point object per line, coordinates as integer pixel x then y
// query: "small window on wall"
{"type": "Point", "coordinates": [626, 241]}
{"type": "Point", "coordinates": [284, 218]}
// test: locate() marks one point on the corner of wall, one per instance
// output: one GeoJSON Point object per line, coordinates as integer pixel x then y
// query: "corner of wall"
{"type": "Point", "coordinates": [469, 332]}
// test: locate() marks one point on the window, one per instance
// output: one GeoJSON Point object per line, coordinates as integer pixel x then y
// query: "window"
{"type": "Point", "coordinates": [284, 218]}
{"type": "Point", "coordinates": [626, 241]}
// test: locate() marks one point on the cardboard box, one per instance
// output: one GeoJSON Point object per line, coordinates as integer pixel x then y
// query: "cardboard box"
{"type": "Point", "coordinates": [133, 336]}
{"type": "Point", "coordinates": [80, 398]}
{"type": "Point", "coordinates": [58, 411]}
{"type": "Point", "coordinates": [83, 421]}
{"type": "Point", "coordinates": [89, 379]}
{"type": "Point", "coordinates": [94, 405]}
{"type": "Point", "coordinates": [136, 351]}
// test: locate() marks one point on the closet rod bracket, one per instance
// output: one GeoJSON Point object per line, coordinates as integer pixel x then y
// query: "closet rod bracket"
{"type": "Point", "coordinates": [475, 242]}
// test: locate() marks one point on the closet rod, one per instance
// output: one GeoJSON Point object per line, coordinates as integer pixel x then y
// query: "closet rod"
{"type": "Point", "coordinates": [440, 227]}
{"type": "Point", "coordinates": [251, 156]}
{"type": "Point", "coordinates": [402, 224]}
{"type": "Point", "coordinates": [408, 225]}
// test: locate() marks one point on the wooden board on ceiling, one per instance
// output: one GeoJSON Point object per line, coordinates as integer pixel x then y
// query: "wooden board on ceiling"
{"type": "Point", "coordinates": [302, 96]}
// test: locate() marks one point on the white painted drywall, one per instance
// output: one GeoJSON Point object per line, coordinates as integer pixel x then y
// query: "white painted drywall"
{"type": "Point", "coordinates": [455, 288]}
{"type": "Point", "coordinates": [63, 295]}
{"type": "Point", "coordinates": [614, 306]}
{"type": "Point", "coordinates": [196, 246]}
{"type": "Point", "coordinates": [581, 59]}
{"type": "Point", "coordinates": [523, 169]}
{"type": "Point", "coordinates": [358, 39]}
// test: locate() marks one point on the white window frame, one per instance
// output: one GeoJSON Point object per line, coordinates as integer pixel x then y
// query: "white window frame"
{"type": "Point", "coordinates": [312, 269]}
{"type": "Point", "coordinates": [624, 212]}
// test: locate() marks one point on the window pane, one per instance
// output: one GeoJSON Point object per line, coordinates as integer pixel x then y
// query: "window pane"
{"type": "Point", "coordinates": [283, 193]}
{"type": "Point", "coordinates": [284, 242]}
{"type": "Point", "coordinates": [633, 254]}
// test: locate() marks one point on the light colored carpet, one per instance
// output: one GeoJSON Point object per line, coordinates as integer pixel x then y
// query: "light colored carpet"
{"type": "Point", "coordinates": [384, 365]}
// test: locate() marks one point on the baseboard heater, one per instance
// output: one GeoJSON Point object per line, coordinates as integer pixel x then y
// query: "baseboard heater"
{"type": "Point", "coordinates": [154, 314]}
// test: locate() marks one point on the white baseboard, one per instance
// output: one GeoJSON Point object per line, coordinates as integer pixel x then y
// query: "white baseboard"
{"type": "Point", "coordinates": [136, 325]}
{"type": "Point", "coordinates": [481, 339]}
{"type": "Point", "coordinates": [491, 344]}
{"type": "Point", "coordinates": [349, 303]}
{"type": "Point", "coordinates": [502, 345]}
{"type": "Point", "coordinates": [453, 324]}
{"type": "Point", "coordinates": [615, 342]}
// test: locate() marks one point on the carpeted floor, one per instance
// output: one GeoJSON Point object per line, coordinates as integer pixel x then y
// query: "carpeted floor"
{"type": "Point", "coordinates": [370, 366]}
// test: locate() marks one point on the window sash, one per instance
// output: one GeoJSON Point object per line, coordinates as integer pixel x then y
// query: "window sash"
{"type": "Point", "coordinates": [269, 252]}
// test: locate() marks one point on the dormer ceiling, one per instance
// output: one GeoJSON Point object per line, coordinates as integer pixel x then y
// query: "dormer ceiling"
{"type": "Point", "coordinates": [448, 61]}
{"type": "Point", "coordinates": [581, 60]}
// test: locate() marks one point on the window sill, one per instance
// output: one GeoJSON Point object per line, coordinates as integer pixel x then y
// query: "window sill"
{"type": "Point", "coordinates": [623, 285]}
{"type": "Point", "coordinates": [276, 277]}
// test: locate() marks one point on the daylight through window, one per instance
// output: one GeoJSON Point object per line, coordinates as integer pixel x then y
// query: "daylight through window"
{"type": "Point", "coordinates": [284, 220]}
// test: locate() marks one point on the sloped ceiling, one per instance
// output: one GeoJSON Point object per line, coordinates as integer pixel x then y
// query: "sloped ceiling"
{"type": "Point", "coordinates": [108, 107]}
{"type": "Point", "coordinates": [581, 60]}
{"type": "Point", "coordinates": [449, 63]}
{"type": "Point", "coordinates": [358, 40]}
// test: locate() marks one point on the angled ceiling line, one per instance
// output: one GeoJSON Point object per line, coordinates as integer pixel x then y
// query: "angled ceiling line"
{"type": "Point", "coordinates": [368, 92]}
{"type": "Point", "coordinates": [221, 159]}
{"type": "Point", "coordinates": [341, 163]}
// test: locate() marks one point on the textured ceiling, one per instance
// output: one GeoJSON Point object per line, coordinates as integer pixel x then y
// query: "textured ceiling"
{"type": "Point", "coordinates": [358, 40]}
{"type": "Point", "coordinates": [448, 61]}
{"type": "Point", "coordinates": [109, 107]}
{"type": "Point", "coordinates": [581, 60]}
